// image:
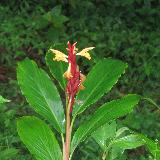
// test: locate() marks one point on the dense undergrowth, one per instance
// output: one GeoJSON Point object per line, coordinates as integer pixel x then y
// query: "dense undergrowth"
{"type": "Point", "coordinates": [128, 30]}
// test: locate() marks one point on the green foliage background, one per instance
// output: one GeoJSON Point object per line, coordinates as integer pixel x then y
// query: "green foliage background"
{"type": "Point", "coordinates": [125, 29]}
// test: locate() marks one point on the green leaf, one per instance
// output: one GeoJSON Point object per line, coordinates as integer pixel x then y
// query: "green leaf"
{"type": "Point", "coordinates": [99, 81]}
{"type": "Point", "coordinates": [115, 152]}
{"type": "Point", "coordinates": [151, 145]}
{"type": "Point", "coordinates": [41, 93]}
{"type": "Point", "coordinates": [104, 114]}
{"type": "Point", "coordinates": [128, 142]}
{"type": "Point", "coordinates": [121, 131]}
{"type": "Point", "coordinates": [3, 100]}
{"type": "Point", "coordinates": [151, 101]}
{"type": "Point", "coordinates": [38, 138]}
{"type": "Point", "coordinates": [8, 153]}
{"type": "Point", "coordinates": [56, 17]}
{"type": "Point", "coordinates": [103, 133]}
{"type": "Point", "coordinates": [57, 69]}
{"type": "Point", "coordinates": [135, 140]}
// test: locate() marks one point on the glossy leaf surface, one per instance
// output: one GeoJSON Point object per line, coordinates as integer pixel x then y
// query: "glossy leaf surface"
{"type": "Point", "coordinates": [104, 114]}
{"type": "Point", "coordinates": [151, 145]}
{"type": "Point", "coordinates": [128, 142]}
{"type": "Point", "coordinates": [135, 140]}
{"type": "Point", "coordinates": [41, 93]}
{"type": "Point", "coordinates": [38, 138]}
{"type": "Point", "coordinates": [103, 133]}
{"type": "Point", "coordinates": [99, 81]}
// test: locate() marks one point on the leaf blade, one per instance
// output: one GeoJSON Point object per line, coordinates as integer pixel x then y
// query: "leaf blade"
{"type": "Point", "coordinates": [99, 81]}
{"type": "Point", "coordinates": [104, 114]}
{"type": "Point", "coordinates": [107, 131]}
{"type": "Point", "coordinates": [151, 145]}
{"type": "Point", "coordinates": [129, 142]}
{"type": "Point", "coordinates": [38, 138]}
{"type": "Point", "coordinates": [41, 93]}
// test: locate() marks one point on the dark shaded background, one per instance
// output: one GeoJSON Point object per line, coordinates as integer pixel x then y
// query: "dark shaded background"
{"type": "Point", "coordinates": [125, 29]}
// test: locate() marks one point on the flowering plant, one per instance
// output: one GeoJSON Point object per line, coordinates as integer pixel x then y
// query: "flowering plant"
{"type": "Point", "coordinates": [80, 93]}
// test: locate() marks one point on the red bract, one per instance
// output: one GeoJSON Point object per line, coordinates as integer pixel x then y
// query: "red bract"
{"type": "Point", "coordinates": [74, 80]}
{"type": "Point", "coordinates": [74, 77]}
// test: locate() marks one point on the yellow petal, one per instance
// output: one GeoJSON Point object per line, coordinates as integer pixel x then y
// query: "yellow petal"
{"type": "Point", "coordinates": [85, 53]}
{"type": "Point", "coordinates": [82, 77]}
{"type": "Point", "coordinates": [68, 74]}
{"type": "Point", "coordinates": [59, 56]}
{"type": "Point", "coordinates": [81, 87]}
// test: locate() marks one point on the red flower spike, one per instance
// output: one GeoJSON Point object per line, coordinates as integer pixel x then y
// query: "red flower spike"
{"type": "Point", "coordinates": [73, 75]}
{"type": "Point", "coordinates": [73, 81]}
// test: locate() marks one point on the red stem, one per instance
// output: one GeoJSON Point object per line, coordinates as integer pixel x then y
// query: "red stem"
{"type": "Point", "coordinates": [68, 132]}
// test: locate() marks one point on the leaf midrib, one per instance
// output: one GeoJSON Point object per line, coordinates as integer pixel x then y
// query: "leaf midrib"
{"type": "Point", "coordinates": [39, 88]}
{"type": "Point", "coordinates": [93, 90]}
{"type": "Point", "coordinates": [99, 118]}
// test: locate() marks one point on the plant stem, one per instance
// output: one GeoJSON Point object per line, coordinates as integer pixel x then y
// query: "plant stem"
{"type": "Point", "coordinates": [104, 156]}
{"type": "Point", "coordinates": [68, 132]}
{"type": "Point", "coordinates": [63, 146]}
{"type": "Point", "coordinates": [72, 122]}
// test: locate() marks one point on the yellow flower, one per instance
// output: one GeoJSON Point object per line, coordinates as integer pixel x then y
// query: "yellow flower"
{"type": "Point", "coordinates": [85, 53]}
{"type": "Point", "coordinates": [82, 79]}
{"type": "Point", "coordinates": [68, 74]}
{"type": "Point", "coordinates": [59, 56]}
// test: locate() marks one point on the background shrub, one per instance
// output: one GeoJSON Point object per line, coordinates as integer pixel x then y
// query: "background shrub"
{"type": "Point", "coordinates": [128, 30]}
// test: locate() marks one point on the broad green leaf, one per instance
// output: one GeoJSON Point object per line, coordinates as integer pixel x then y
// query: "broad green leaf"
{"type": "Point", "coordinates": [3, 100]}
{"type": "Point", "coordinates": [103, 133]}
{"type": "Point", "coordinates": [104, 114]}
{"type": "Point", "coordinates": [57, 69]}
{"type": "Point", "coordinates": [128, 142]}
{"type": "Point", "coordinates": [135, 140]}
{"type": "Point", "coordinates": [115, 152]}
{"type": "Point", "coordinates": [99, 81]}
{"type": "Point", "coordinates": [38, 138]}
{"type": "Point", "coordinates": [151, 145]}
{"type": "Point", "coordinates": [41, 93]}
